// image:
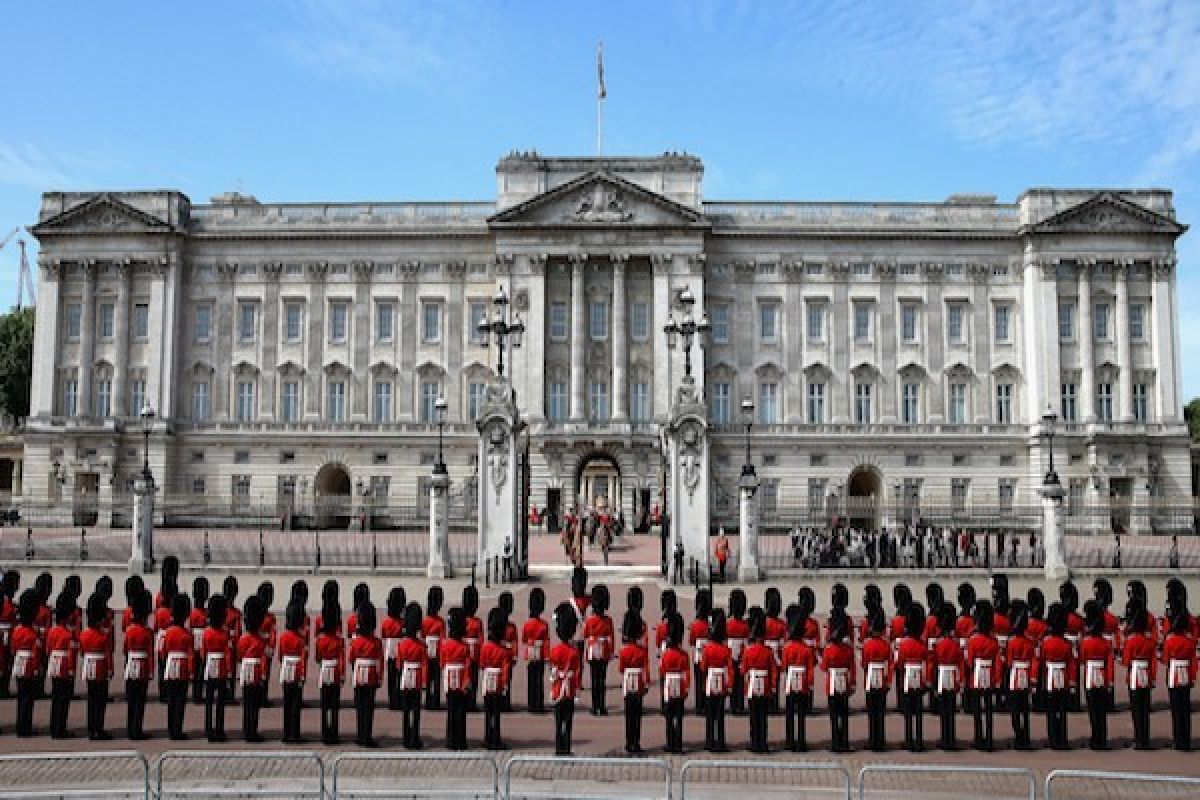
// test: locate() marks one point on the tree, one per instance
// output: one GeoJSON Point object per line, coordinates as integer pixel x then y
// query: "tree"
{"type": "Point", "coordinates": [16, 361]}
{"type": "Point", "coordinates": [1191, 413]}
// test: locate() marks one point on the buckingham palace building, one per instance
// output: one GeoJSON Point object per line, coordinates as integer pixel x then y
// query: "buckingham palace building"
{"type": "Point", "coordinates": [901, 357]}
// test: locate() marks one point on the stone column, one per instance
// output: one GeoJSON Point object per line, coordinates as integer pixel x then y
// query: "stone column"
{"type": "Point", "coordinates": [578, 398]}
{"type": "Point", "coordinates": [1087, 349]}
{"type": "Point", "coordinates": [661, 263]}
{"type": "Point", "coordinates": [45, 385]}
{"type": "Point", "coordinates": [620, 340]}
{"type": "Point", "coordinates": [120, 399]}
{"type": "Point", "coordinates": [87, 339]}
{"type": "Point", "coordinates": [141, 558]}
{"type": "Point", "coordinates": [1055, 566]}
{"type": "Point", "coordinates": [748, 530]}
{"type": "Point", "coordinates": [439, 527]}
{"type": "Point", "coordinates": [1163, 340]}
{"type": "Point", "coordinates": [1124, 405]}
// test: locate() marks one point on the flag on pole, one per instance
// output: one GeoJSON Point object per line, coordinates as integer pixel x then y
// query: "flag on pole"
{"type": "Point", "coordinates": [601, 91]}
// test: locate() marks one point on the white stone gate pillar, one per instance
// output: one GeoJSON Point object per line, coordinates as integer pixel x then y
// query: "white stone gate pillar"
{"type": "Point", "coordinates": [499, 507]}
{"type": "Point", "coordinates": [748, 569]}
{"type": "Point", "coordinates": [1052, 532]}
{"type": "Point", "coordinates": [439, 527]}
{"type": "Point", "coordinates": [687, 459]}
{"type": "Point", "coordinates": [141, 557]}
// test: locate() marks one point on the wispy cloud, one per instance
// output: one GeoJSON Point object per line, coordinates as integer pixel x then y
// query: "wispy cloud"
{"type": "Point", "coordinates": [424, 46]}
{"type": "Point", "coordinates": [32, 167]}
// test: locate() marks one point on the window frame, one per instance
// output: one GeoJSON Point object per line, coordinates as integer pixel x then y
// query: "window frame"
{"type": "Point", "coordinates": [251, 307]}
{"type": "Point", "coordinates": [339, 310]}
{"type": "Point", "coordinates": [385, 336]}
{"type": "Point", "coordinates": [428, 306]}
{"type": "Point", "coordinates": [139, 322]}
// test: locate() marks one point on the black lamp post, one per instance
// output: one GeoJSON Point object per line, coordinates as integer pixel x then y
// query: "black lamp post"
{"type": "Point", "coordinates": [1048, 421]}
{"type": "Point", "coordinates": [507, 330]}
{"type": "Point", "coordinates": [147, 421]}
{"type": "Point", "coordinates": [686, 329]}
{"type": "Point", "coordinates": [748, 421]}
{"type": "Point", "coordinates": [439, 407]}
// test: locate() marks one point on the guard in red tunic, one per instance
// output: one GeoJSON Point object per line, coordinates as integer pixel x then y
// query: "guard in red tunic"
{"type": "Point", "coordinates": [738, 633]}
{"type": "Point", "coordinates": [912, 666]}
{"type": "Point", "coordinates": [94, 652]}
{"type": "Point", "coordinates": [598, 638]}
{"type": "Point", "coordinates": [413, 664]}
{"type": "Point", "coordinates": [901, 600]}
{"type": "Point", "coordinates": [196, 624]}
{"type": "Point", "coordinates": [1021, 657]}
{"type": "Point", "coordinates": [535, 635]}
{"type": "Point", "coordinates": [634, 664]}
{"type": "Point", "coordinates": [1068, 595]}
{"type": "Point", "coordinates": [511, 642]}
{"type": "Point", "coordinates": [455, 658]}
{"type": "Point", "coordinates": [669, 604]}
{"type": "Point", "coordinates": [27, 652]}
{"type": "Point", "coordinates": [494, 662]}
{"type": "Point", "coordinates": [215, 664]}
{"type": "Point", "coordinates": [838, 664]}
{"type": "Point", "coordinates": [177, 654]}
{"type": "Point", "coordinates": [330, 656]}
{"type": "Point", "coordinates": [759, 675]}
{"type": "Point", "coordinates": [252, 673]}
{"type": "Point", "coordinates": [675, 673]}
{"type": "Point", "coordinates": [163, 602]}
{"type": "Point", "coordinates": [269, 631]}
{"type": "Point", "coordinates": [60, 666]}
{"type": "Point", "coordinates": [984, 672]}
{"type": "Point", "coordinates": [697, 638]}
{"type": "Point", "coordinates": [716, 669]}
{"type": "Point", "coordinates": [293, 670]}
{"type": "Point", "coordinates": [366, 663]}
{"type": "Point", "coordinates": [877, 670]}
{"type": "Point", "coordinates": [139, 660]}
{"type": "Point", "coordinates": [1138, 657]}
{"type": "Point", "coordinates": [1179, 661]}
{"type": "Point", "coordinates": [8, 621]}
{"type": "Point", "coordinates": [798, 667]}
{"type": "Point", "coordinates": [564, 676]}
{"type": "Point", "coordinates": [1057, 664]}
{"type": "Point", "coordinates": [433, 631]}
{"type": "Point", "coordinates": [776, 630]}
{"type": "Point", "coordinates": [946, 671]}
{"type": "Point", "coordinates": [391, 631]}
{"type": "Point", "coordinates": [233, 630]}
{"type": "Point", "coordinates": [474, 642]}
{"type": "Point", "coordinates": [43, 622]}
{"type": "Point", "coordinates": [1096, 655]}
{"type": "Point", "coordinates": [1036, 630]}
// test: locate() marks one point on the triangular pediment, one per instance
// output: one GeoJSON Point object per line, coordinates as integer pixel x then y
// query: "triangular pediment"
{"type": "Point", "coordinates": [102, 213]}
{"type": "Point", "coordinates": [1108, 212]}
{"type": "Point", "coordinates": [597, 200]}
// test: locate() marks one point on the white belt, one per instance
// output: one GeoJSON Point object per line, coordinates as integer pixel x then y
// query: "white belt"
{"type": "Point", "coordinates": [839, 681]}
{"type": "Point", "coordinates": [672, 686]}
{"type": "Point", "coordinates": [389, 648]}
{"type": "Point", "coordinates": [173, 669]}
{"type": "Point", "coordinates": [533, 651]}
{"type": "Point", "coordinates": [91, 666]}
{"type": "Point", "coordinates": [137, 666]}
{"type": "Point", "coordinates": [1093, 674]}
{"type": "Point", "coordinates": [1139, 674]}
{"type": "Point", "coordinates": [197, 638]}
{"type": "Point", "coordinates": [213, 664]}
{"type": "Point", "coordinates": [490, 680]}
{"type": "Point", "coordinates": [1178, 674]}
{"type": "Point", "coordinates": [597, 648]}
{"type": "Point", "coordinates": [631, 680]}
{"type": "Point", "coordinates": [431, 646]}
{"type": "Point", "coordinates": [876, 677]}
{"type": "Point", "coordinates": [365, 671]}
{"type": "Point", "coordinates": [410, 675]}
{"type": "Point", "coordinates": [22, 660]}
{"type": "Point", "coordinates": [714, 681]}
{"type": "Point", "coordinates": [1056, 675]}
{"type": "Point", "coordinates": [289, 670]}
{"type": "Point", "coordinates": [564, 679]}
{"type": "Point", "coordinates": [56, 664]}
{"type": "Point", "coordinates": [981, 673]}
{"type": "Point", "coordinates": [947, 678]}
{"type": "Point", "coordinates": [453, 677]}
{"type": "Point", "coordinates": [914, 677]}
{"type": "Point", "coordinates": [473, 647]}
{"type": "Point", "coordinates": [736, 646]}
{"type": "Point", "coordinates": [795, 680]}
{"type": "Point", "coordinates": [1018, 676]}
{"type": "Point", "coordinates": [329, 672]}
{"type": "Point", "coordinates": [698, 650]}
{"type": "Point", "coordinates": [249, 671]}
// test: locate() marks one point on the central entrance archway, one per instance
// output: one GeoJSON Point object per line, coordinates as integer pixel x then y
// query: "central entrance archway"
{"type": "Point", "coordinates": [598, 484]}
{"type": "Point", "coordinates": [863, 489]}
{"type": "Point", "coordinates": [332, 497]}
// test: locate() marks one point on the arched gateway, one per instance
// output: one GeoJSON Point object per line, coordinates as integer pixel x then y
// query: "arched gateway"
{"type": "Point", "coordinates": [863, 489]}
{"type": "Point", "coordinates": [332, 499]}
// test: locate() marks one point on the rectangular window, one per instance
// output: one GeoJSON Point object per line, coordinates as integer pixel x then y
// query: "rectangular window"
{"type": "Point", "coordinates": [431, 322]}
{"type": "Point", "coordinates": [1101, 321]}
{"type": "Point", "coordinates": [559, 322]}
{"type": "Point", "coordinates": [816, 321]}
{"type": "Point", "coordinates": [1070, 411]}
{"type": "Point", "coordinates": [719, 404]}
{"type": "Point", "coordinates": [599, 320]}
{"type": "Point", "coordinates": [1004, 394]}
{"type": "Point", "coordinates": [1006, 491]}
{"type": "Point", "coordinates": [289, 401]}
{"type": "Point", "coordinates": [430, 392]}
{"type": "Point", "coordinates": [198, 486]}
{"type": "Point", "coordinates": [293, 322]}
{"type": "Point", "coordinates": [383, 401]}
{"type": "Point", "coordinates": [1141, 404]}
{"type": "Point", "coordinates": [137, 397]}
{"type": "Point", "coordinates": [474, 399]}
{"type": "Point", "coordinates": [958, 403]}
{"type": "Point", "coordinates": [200, 405]}
{"type": "Point", "coordinates": [245, 401]}
{"type": "Point", "coordinates": [862, 322]}
{"type": "Point", "coordinates": [556, 404]}
{"type": "Point", "coordinates": [768, 322]}
{"type": "Point", "coordinates": [955, 330]}
{"type": "Point", "coordinates": [103, 398]}
{"type": "Point", "coordinates": [1066, 321]}
{"type": "Point", "coordinates": [203, 323]}
{"type": "Point", "coordinates": [1104, 402]}
{"type": "Point", "coordinates": [1137, 322]}
{"type": "Point", "coordinates": [908, 323]}
{"type": "Point", "coordinates": [70, 397]}
{"type": "Point", "coordinates": [958, 493]}
{"type": "Point", "coordinates": [719, 319]}
{"type": "Point", "coordinates": [1000, 315]}
{"type": "Point", "coordinates": [816, 495]}
{"type": "Point", "coordinates": [385, 322]}
{"type": "Point", "coordinates": [910, 404]}
{"type": "Point", "coordinates": [74, 315]}
{"type": "Point", "coordinates": [816, 403]}
{"type": "Point", "coordinates": [241, 489]}
{"type": "Point", "coordinates": [598, 405]}
{"type": "Point", "coordinates": [141, 321]}
{"type": "Point", "coordinates": [477, 313]}
{"type": "Point", "coordinates": [1075, 495]}
{"type": "Point", "coordinates": [768, 403]}
{"type": "Point", "coordinates": [247, 322]}
{"type": "Point", "coordinates": [639, 322]}
{"type": "Point", "coordinates": [862, 403]}
{"type": "Point", "coordinates": [106, 321]}
{"type": "Point", "coordinates": [338, 313]}
{"type": "Point", "coordinates": [335, 409]}
{"type": "Point", "coordinates": [639, 402]}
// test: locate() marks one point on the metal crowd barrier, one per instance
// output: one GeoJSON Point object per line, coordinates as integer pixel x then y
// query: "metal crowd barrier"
{"type": "Point", "coordinates": [769, 778]}
{"type": "Point", "coordinates": [413, 775]}
{"type": "Point", "coordinates": [934, 773]}
{"type": "Point", "coordinates": [1159, 787]}
{"type": "Point", "coordinates": [560, 771]}
{"type": "Point", "coordinates": [235, 773]}
{"type": "Point", "coordinates": [75, 775]}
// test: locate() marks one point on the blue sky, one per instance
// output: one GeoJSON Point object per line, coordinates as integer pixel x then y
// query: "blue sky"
{"type": "Point", "coordinates": [349, 100]}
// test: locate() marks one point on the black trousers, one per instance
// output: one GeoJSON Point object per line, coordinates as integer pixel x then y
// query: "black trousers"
{"type": "Point", "coordinates": [97, 700]}
{"type": "Point", "coordinates": [293, 702]}
{"type": "Point", "coordinates": [984, 718]}
{"type": "Point", "coordinates": [914, 719]}
{"type": "Point", "coordinates": [331, 707]}
{"type": "Point", "coordinates": [254, 695]}
{"type": "Point", "coordinates": [135, 705]}
{"type": "Point", "coordinates": [61, 690]}
{"type": "Point", "coordinates": [1057, 703]}
{"type": "Point", "coordinates": [473, 689]}
{"type": "Point", "coordinates": [759, 709]}
{"type": "Point", "coordinates": [633, 723]}
{"type": "Point", "coordinates": [796, 708]}
{"type": "Point", "coordinates": [673, 711]}
{"type": "Point", "coordinates": [599, 678]}
{"type": "Point", "coordinates": [947, 703]}
{"type": "Point", "coordinates": [176, 695]}
{"type": "Point", "coordinates": [198, 681]}
{"type": "Point", "coordinates": [456, 720]}
{"type": "Point", "coordinates": [1018, 709]}
{"type": "Point", "coordinates": [393, 685]}
{"type": "Point", "coordinates": [214, 709]}
{"type": "Point", "coordinates": [564, 716]}
{"type": "Point", "coordinates": [714, 722]}
{"type": "Point", "coordinates": [1139, 706]}
{"type": "Point", "coordinates": [876, 714]}
{"type": "Point", "coordinates": [698, 682]}
{"type": "Point", "coordinates": [1181, 717]}
{"type": "Point", "coordinates": [493, 706]}
{"type": "Point", "coordinates": [433, 689]}
{"type": "Point", "coordinates": [27, 692]}
{"type": "Point", "coordinates": [364, 713]}
{"type": "Point", "coordinates": [410, 705]}
{"type": "Point", "coordinates": [737, 698]}
{"type": "Point", "coordinates": [537, 687]}
{"type": "Point", "coordinates": [1097, 708]}
{"type": "Point", "coordinates": [839, 722]}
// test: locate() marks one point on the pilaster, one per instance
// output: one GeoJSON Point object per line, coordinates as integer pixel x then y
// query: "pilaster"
{"type": "Point", "coordinates": [620, 339]}
{"type": "Point", "coordinates": [578, 378]}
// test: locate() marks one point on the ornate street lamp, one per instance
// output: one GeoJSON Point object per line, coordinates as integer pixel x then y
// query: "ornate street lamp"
{"type": "Point", "coordinates": [685, 331]}
{"type": "Point", "coordinates": [1048, 422]}
{"type": "Point", "coordinates": [147, 422]}
{"type": "Point", "coordinates": [507, 330]}
{"type": "Point", "coordinates": [439, 407]}
{"type": "Point", "coordinates": [748, 420]}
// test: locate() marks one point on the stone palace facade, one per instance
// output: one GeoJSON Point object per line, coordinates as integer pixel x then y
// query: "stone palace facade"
{"type": "Point", "coordinates": [900, 356]}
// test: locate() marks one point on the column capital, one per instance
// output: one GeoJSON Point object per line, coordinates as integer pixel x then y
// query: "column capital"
{"type": "Point", "coordinates": [661, 263]}
{"type": "Point", "coordinates": [537, 262]}
{"type": "Point", "coordinates": [1163, 266]}
{"type": "Point", "coordinates": [577, 260]}
{"type": "Point", "coordinates": [618, 260]}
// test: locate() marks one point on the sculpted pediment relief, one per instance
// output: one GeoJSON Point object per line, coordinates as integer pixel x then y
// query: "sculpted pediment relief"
{"type": "Point", "coordinates": [1108, 212]}
{"type": "Point", "coordinates": [599, 199]}
{"type": "Point", "coordinates": [102, 214]}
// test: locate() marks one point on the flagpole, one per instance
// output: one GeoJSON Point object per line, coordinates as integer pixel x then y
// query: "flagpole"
{"type": "Point", "coordinates": [601, 93]}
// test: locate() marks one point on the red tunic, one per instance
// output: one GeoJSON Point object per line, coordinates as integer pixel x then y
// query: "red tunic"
{"type": "Point", "coordinates": [877, 650]}
{"type": "Point", "coordinates": [1139, 647]}
{"type": "Point", "coordinates": [675, 662]}
{"type": "Point", "coordinates": [93, 646]}
{"type": "Point", "coordinates": [598, 637]}
{"type": "Point", "coordinates": [214, 648]}
{"type": "Point", "coordinates": [775, 633]}
{"type": "Point", "coordinates": [983, 662]}
{"type": "Point", "coordinates": [716, 656]}
{"type": "Point", "coordinates": [411, 650]}
{"type": "Point", "coordinates": [196, 623]}
{"type": "Point", "coordinates": [1021, 651]}
{"type": "Point", "coordinates": [319, 626]}
{"type": "Point", "coordinates": [60, 652]}
{"type": "Point", "coordinates": [932, 631]}
{"type": "Point", "coordinates": [474, 638]}
{"type": "Point", "coordinates": [736, 634]}
{"type": "Point", "coordinates": [433, 632]}
{"type": "Point", "coordinates": [1035, 630]}
{"type": "Point", "coordinates": [758, 656]}
{"type": "Point", "coordinates": [25, 638]}
{"type": "Point", "coordinates": [912, 663]}
{"type": "Point", "coordinates": [944, 655]}
{"type": "Point", "coordinates": [838, 656]}
{"type": "Point", "coordinates": [252, 658]}
{"type": "Point", "coordinates": [454, 657]}
{"type": "Point", "coordinates": [366, 660]}
{"type": "Point", "coordinates": [329, 648]}
{"type": "Point", "coordinates": [138, 639]}
{"type": "Point", "coordinates": [391, 631]}
{"type": "Point", "coordinates": [964, 626]}
{"type": "Point", "coordinates": [798, 667]}
{"type": "Point", "coordinates": [660, 637]}
{"type": "Point", "coordinates": [292, 644]}
{"type": "Point", "coordinates": [535, 635]}
{"type": "Point", "coordinates": [697, 638]}
{"type": "Point", "coordinates": [1179, 647]}
{"type": "Point", "coordinates": [1057, 652]}
{"type": "Point", "coordinates": [1096, 649]}
{"type": "Point", "coordinates": [897, 626]}
{"type": "Point", "coordinates": [564, 672]}
{"type": "Point", "coordinates": [494, 663]}
{"type": "Point", "coordinates": [177, 646]}
{"type": "Point", "coordinates": [633, 657]}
